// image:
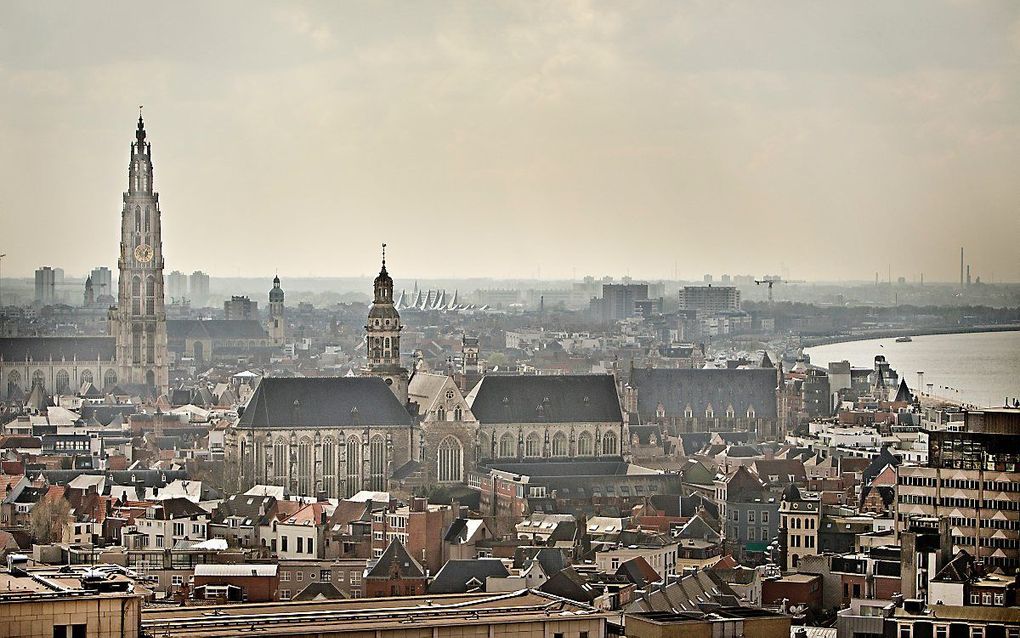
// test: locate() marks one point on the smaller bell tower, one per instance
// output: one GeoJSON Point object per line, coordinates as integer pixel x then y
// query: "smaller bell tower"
{"type": "Point", "coordinates": [382, 338]}
{"type": "Point", "coordinates": [277, 322]}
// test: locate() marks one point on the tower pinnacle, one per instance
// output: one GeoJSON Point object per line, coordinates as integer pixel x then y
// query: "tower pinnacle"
{"type": "Point", "coordinates": [140, 132]}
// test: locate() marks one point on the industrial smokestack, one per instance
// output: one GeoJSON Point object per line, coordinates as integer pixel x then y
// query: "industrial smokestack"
{"type": "Point", "coordinates": [961, 267]}
{"type": "Point", "coordinates": [968, 275]}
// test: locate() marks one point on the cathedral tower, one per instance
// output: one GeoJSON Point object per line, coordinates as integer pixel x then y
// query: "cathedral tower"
{"type": "Point", "coordinates": [382, 340]}
{"type": "Point", "coordinates": [276, 320]}
{"type": "Point", "coordinates": [139, 320]}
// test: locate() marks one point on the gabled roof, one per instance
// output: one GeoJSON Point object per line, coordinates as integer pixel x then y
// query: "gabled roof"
{"type": "Point", "coordinates": [177, 508]}
{"type": "Point", "coordinates": [323, 402]}
{"type": "Point", "coordinates": [462, 576]}
{"type": "Point", "coordinates": [249, 508]}
{"type": "Point", "coordinates": [58, 348]}
{"type": "Point", "coordinates": [319, 591]}
{"type": "Point", "coordinates": [903, 393]}
{"type": "Point", "coordinates": [879, 463]}
{"type": "Point", "coordinates": [546, 399]}
{"type": "Point", "coordinates": [569, 584]}
{"type": "Point", "coordinates": [677, 389]}
{"type": "Point", "coordinates": [425, 389]}
{"type": "Point", "coordinates": [396, 562]}
{"type": "Point", "coordinates": [215, 329]}
{"type": "Point", "coordinates": [698, 528]}
{"type": "Point", "coordinates": [783, 468]}
{"type": "Point", "coordinates": [551, 559]}
{"type": "Point", "coordinates": [639, 572]}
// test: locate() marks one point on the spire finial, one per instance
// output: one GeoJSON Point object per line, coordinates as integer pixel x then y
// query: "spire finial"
{"type": "Point", "coordinates": [140, 133]}
{"type": "Point", "coordinates": [384, 257]}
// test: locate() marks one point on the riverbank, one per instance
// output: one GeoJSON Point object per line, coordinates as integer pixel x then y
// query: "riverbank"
{"type": "Point", "coordinates": [978, 368]}
{"type": "Point", "coordinates": [811, 342]}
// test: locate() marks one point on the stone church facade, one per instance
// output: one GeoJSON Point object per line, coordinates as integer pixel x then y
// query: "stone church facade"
{"type": "Point", "coordinates": [331, 436]}
{"type": "Point", "coordinates": [557, 417]}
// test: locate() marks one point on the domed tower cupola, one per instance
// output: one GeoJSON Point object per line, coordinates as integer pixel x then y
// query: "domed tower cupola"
{"type": "Point", "coordinates": [276, 294]}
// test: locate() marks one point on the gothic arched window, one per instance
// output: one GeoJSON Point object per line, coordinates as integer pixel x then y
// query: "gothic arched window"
{"type": "Point", "coordinates": [13, 379]}
{"type": "Point", "coordinates": [86, 376]}
{"type": "Point", "coordinates": [377, 463]}
{"type": "Point", "coordinates": [440, 413]}
{"type": "Point", "coordinates": [39, 379]}
{"type": "Point", "coordinates": [458, 414]}
{"type": "Point", "coordinates": [584, 447]}
{"type": "Point", "coordinates": [507, 446]}
{"type": "Point", "coordinates": [150, 295]}
{"type": "Point", "coordinates": [450, 460]}
{"type": "Point", "coordinates": [138, 219]}
{"type": "Point", "coordinates": [533, 445]}
{"type": "Point", "coordinates": [136, 295]}
{"type": "Point", "coordinates": [304, 467]}
{"type": "Point", "coordinates": [280, 460]}
{"type": "Point", "coordinates": [147, 225]}
{"type": "Point", "coordinates": [609, 443]}
{"type": "Point", "coordinates": [109, 379]}
{"type": "Point", "coordinates": [260, 460]}
{"type": "Point", "coordinates": [63, 381]}
{"type": "Point", "coordinates": [353, 465]}
{"type": "Point", "coordinates": [329, 466]}
{"type": "Point", "coordinates": [559, 444]}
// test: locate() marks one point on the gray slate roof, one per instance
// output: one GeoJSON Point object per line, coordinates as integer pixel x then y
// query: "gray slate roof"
{"type": "Point", "coordinates": [323, 402]}
{"type": "Point", "coordinates": [215, 329]}
{"type": "Point", "coordinates": [699, 388]}
{"type": "Point", "coordinates": [57, 348]}
{"type": "Point", "coordinates": [462, 576]}
{"type": "Point", "coordinates": [546, 399]}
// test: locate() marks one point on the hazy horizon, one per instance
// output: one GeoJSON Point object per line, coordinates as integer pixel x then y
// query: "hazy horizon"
{"type": "Point", "coordinates": [519, 140]}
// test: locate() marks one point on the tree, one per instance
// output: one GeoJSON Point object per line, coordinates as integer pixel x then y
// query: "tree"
{"type": "Point", "coordinates": [46, 522]}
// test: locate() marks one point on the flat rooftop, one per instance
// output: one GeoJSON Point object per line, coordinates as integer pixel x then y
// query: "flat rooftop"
{"type": "Point", "coordinates": [364, 614]}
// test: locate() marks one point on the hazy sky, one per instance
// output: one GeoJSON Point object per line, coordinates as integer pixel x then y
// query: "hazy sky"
{"type": "Point", "coordinates": [485, 138]}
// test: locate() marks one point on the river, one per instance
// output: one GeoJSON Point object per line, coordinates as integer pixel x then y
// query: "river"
{"type": "Point", "coordinates": [980, 368]}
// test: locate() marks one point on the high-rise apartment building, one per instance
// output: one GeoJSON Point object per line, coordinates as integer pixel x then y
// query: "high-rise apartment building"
{"type": "Point", "coordinates": [710, 299]}
{"type": "Point", "coordinates": [177, 287]}
{"type": "Point", "coordinates": [45, 285]}
{"type": "Point", "coordinates": [199, 289]}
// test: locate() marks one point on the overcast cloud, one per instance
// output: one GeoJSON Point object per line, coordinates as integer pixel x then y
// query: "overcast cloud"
{"type": "Point", "coordinates": [482, 138]}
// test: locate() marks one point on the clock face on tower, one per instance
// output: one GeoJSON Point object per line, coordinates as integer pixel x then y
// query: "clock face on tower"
{"type": "Point", "coordinates": [143, 253]}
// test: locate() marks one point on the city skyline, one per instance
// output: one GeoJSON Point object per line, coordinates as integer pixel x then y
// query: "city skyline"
{"type": "Point", "coordinates": [317, 135]}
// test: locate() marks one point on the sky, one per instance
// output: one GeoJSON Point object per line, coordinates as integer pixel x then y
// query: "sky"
{"type": "Point", "coordinates": [823, 140]}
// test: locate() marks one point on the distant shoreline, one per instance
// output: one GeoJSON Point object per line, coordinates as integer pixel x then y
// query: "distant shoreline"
{"type": "Point", "coordinates": [812, 342]}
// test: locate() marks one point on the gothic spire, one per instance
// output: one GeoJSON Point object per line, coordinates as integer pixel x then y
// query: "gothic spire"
{"type": "Point", "coordinates": [140, 131]}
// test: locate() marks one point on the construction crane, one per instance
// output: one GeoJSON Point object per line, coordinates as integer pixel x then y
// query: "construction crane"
{"type": "Point", "coordinates": [772, 282]}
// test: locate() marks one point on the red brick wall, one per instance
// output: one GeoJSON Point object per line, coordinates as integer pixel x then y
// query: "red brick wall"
{"type": "Point", "coordinates": [382, 588]}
